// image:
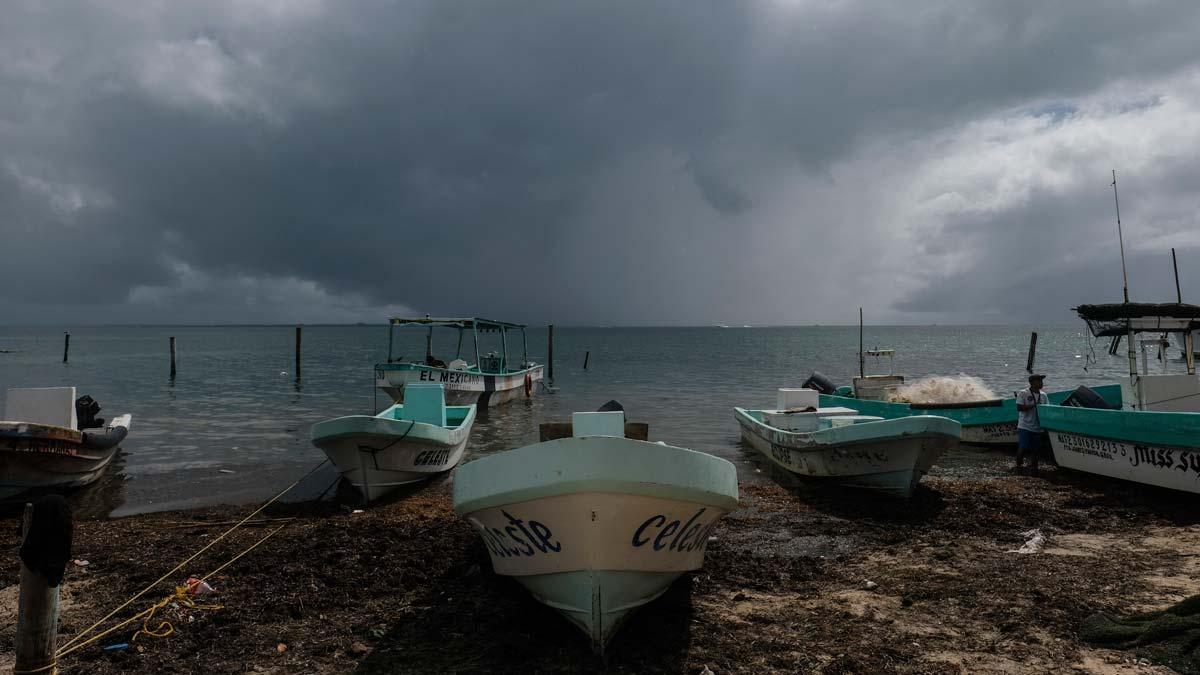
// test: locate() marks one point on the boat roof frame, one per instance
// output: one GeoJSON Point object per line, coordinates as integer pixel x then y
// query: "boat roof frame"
{"type": "Point", "coordinates": [1118, 318]}
{"type": "Point", "coordinates": [474, 324]}
{"type": "Point", "coordinates": [465, 323]}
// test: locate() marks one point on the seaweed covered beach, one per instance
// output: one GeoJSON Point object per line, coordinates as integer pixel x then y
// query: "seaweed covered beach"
{"type": "Point", "coordinates": [799, 579]}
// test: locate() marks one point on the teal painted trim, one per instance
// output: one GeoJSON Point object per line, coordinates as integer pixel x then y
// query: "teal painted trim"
{"type": "Point", "coordinates": [1135, 426]}
{"type": "Point", "coordinates": [595, 464]}
{"type": "Point", "coordinates": [387, 423]}
{"type": "Point", "coordinates": [862, 432]}
{"type": "Point", "coordinates": [968, 417]}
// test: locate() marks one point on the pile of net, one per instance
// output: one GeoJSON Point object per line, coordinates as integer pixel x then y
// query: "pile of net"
{"type": "Point", "coordinates": [943, 389]}
{"type": "Point", "coordinates": [1169, 637]}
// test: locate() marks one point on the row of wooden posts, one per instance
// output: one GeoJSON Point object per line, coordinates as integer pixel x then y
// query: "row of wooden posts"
{"type": "Point", "coordinates": [549, 359]}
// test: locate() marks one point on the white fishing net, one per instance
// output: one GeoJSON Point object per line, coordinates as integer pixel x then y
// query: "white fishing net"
{"type": "Point", "coordinates": [959, 388]}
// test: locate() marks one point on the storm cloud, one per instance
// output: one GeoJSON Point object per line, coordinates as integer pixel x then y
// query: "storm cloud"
{"type": "Point", "coordinates": [631, 162]}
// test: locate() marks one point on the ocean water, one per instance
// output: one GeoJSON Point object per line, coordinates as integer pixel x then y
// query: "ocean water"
{"type": "Point", "coordinates": [233, 426]}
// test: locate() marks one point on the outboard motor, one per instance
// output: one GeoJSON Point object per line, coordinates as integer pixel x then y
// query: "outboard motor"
{"type": "Point", "coordinates": [1083, 397]}
{"type": "Point", "coordinates": [820, 383]}
{"type": "Point", "coordinates": [86, 408]}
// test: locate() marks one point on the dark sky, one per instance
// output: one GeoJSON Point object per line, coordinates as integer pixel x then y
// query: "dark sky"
{"type": "Point", "coordinates": [640, 162]}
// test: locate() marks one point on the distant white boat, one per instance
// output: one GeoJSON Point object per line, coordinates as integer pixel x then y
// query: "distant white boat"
{"type": "Point", "coordinates": [495, 377]}
{"type": "Point", "coordinates": [50, 439]}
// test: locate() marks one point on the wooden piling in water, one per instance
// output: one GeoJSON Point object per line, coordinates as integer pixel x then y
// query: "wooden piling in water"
{"type": "Point", "coordinates": [550, 354]}
{"type": "Point", "coordinates": [45, 549]}
{"type": "Point", "coordinates": [66, 344]}
{"type": "Point", "coordinates": [172, 357]}
{"type": "Point", "coordinates": [586, 356]}
{"type": "Point", "coordinates": [297, 352]}
{"type": "Point", "coordinates": [1032, 352]}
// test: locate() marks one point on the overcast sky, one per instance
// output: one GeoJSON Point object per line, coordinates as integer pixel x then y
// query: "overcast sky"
{"type": "Point", "coordinates": [608, 162]}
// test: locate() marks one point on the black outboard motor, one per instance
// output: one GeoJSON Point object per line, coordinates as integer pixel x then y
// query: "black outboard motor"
{"type": "Point", "coordinates": [820, 383]}
{"type": "Point", "coordinates": [612, 406]}
{"type": "Point", "coordinates": [86, 408]}
{"type": "Point", "coordinates": [1083, 397]}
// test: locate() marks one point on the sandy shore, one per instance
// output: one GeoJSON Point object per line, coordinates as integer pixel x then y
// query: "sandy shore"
{"type": "Point", "coordinates": [407, 587]}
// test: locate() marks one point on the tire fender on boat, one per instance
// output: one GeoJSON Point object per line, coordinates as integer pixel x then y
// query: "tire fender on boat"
{"type": "Point", "coordinates": [528, 385]}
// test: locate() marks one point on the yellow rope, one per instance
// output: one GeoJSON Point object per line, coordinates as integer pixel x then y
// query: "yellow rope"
{"type": "Point", "coordinates": [72, 641]}
{"type": "Point", "coordinates": [164, 628]}
{"type": "Point", "coordinates": [51, 667]}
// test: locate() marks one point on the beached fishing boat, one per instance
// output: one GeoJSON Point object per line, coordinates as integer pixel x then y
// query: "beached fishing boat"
{"type": "Point", "coordinates": [843, 446]}
{"type": "Point", "coordinates": [596, 525]}
{"type": "Point", "coordinates": [406, 443]}
{"type": "Point", "coordinates": [986, 423]}
{"type": "Point", "coordinates": [50, 439]}
{"type": "Point", "coordinates": [492, 380]}
{"type": "Point", "coordinates": [1154, 436]}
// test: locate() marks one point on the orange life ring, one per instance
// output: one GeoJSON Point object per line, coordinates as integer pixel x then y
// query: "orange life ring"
{"type": "Point", "coordinates": [528, 385]}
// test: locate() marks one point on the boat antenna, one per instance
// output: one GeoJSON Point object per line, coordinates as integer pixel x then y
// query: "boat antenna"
{"type": "Point", "coordinates": [1120, 237]}
{"type": "Point", "coordinates": [1175, 265]}
{"type": "Point", "coordinates": [861, 364]}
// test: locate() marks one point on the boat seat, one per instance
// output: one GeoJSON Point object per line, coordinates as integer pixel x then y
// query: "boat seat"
{"type": "Point", "coordinates": [49, 405]}
{"type": "Point", "coordinates": [424, 403]}
{"type": "Point", "coordinates": [598, 424]}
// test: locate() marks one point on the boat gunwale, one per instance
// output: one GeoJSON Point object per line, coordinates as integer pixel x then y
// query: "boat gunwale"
{"type": "Point", "coordinates": [825, 438]}
{"type": "Point", "coordinates": [659, 477]}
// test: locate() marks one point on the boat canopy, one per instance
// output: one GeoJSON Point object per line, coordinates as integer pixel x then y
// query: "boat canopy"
{"type": "Point", "coordinates": [1119, 318]}
{"type": "Point", "coordinates": [472, 323]}
{"type": "Point", "coordinates": [476, 326]}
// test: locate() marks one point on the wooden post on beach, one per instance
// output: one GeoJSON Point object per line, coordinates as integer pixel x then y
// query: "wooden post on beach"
{"type": "Point", "coordinates": [297, 352]}
{"type": "Point", "coordinates": [586, 356]}
{"type": "Point", "coordinates": [172, 357]}
{"type": "Point", "coordinates": [550, 354]}
{"type": "Point", "coordinates": [1032, 352]}
{"type": "Point", "coordinates": [45, 549]}
{"type": "Point", "coordinates": [66, 344]}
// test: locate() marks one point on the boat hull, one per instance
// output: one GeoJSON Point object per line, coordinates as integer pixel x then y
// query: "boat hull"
{"type": "Point", "coordinates": [41, 456]}
{"type": "Point", "coordinates": [887, 456]}
{"type": "Point", "coordinates": [1152, 448]}
{"type": "Point", "coordinates": [596, 527]}
{"type": "Point", "coordinates": [377, 455]}
{"type": "Point", "coordinates": [463, 387]}
{"type": "Point", "coordinates": [991, 423]}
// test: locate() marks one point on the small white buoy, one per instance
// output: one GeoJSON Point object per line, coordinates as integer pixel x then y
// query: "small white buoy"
{"type": "Point", "coordinates": [283, 373]}
{"type": "Point", "coordinates": [1079, 356]}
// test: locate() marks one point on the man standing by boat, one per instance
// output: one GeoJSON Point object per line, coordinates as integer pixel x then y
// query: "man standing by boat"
{"type": "Point", "coordinates": [1029, 429]}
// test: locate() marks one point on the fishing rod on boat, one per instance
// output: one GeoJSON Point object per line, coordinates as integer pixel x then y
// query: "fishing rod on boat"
{"type": "Point", "coordinates": [1120, 237]}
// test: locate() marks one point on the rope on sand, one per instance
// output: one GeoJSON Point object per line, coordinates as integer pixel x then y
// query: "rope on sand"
{"type": "Point", "coordinates": [71, 646]}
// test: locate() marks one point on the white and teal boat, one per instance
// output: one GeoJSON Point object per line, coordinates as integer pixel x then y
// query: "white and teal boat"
{"type": "Point", "coordinates": [404, 444]}
{"type": "Point", "coordinates": [596, 525]}
{"type": "Point", "coordinates": [841, 445]}
{"type": "Point", "coordinates": [1154, 435]}
{"type": "Point", "coordinates": [492, 380]}
{"type": "Point", "coordinates": [988, 423]}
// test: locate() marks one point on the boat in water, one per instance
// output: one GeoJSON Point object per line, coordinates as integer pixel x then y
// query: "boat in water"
{"type": "Point", "coordinates": [493, 379]}
{"type": "Point", "coordinates": [841, 445]}
{"type": "Point", "coordinates": [404, 444]}
{"type": "Point", "coordinates": [596, 525]}
{"type": "Point", "coordinates": [1153, 435]}
{"type": "Point", "coordinates": [51, 440]}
